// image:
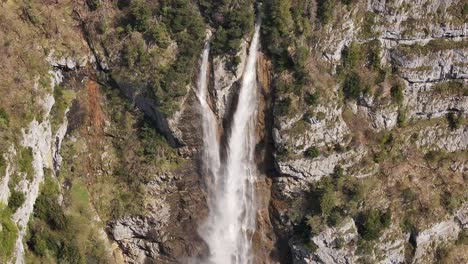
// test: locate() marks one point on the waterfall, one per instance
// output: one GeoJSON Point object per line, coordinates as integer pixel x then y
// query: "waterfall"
{"type": "Point", "coordinates": [211, 160]}
{"type": "Point", "coordinates": [231, 189]}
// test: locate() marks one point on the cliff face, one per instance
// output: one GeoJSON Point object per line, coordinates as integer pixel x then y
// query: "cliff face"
{"type": "Point", "coordinates": [361, 140]}
{"type": "Point", "coordinates": [410, 61]}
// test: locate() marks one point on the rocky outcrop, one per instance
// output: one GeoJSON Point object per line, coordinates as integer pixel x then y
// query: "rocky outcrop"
{"type": "Point", "coordinates": [440, 233]}
{"type": "Point", "coordinates": [39, 137]}
{"type": "Point", "coordinates": [140, 238]}
{"type": "Point", "coordinates": [441, 138]}
{"type": "Point", "coordinates": [223, 85]}
{"type": "Point", "coordinates": [334, 245]}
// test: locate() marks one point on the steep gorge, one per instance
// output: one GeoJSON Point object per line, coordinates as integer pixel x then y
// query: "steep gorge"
{"type": "Point", "coordinates": [360, 142]}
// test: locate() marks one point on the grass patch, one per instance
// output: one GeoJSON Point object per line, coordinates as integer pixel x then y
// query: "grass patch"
{"type": "Point", "coordinates": [4, 119]}
{"type": "Point", "coordinates": [8, 234]}
{"type": "Point", "coordinates": [434, 45]}
{"type": "Point", "coordinates": [63, 233]}
{"type": "Point", "coordinates": [451, 88]}
{"type": "Point", "coordinates": [24, 162]}
{"type": "Point", "coordinates": [63, 99]}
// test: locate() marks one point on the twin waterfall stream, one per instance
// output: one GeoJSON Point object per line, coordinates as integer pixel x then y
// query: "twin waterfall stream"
{"type": "Point", "coordinates": [230, 182]}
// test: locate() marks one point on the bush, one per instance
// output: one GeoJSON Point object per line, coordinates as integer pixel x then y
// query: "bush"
{"type": "Point", "coordinates": [325, 10]}
{"type": "Point", "coordinates": [93, 4]}
{"type": "Point", "coordinates": [450, 201]}
{"type": "Point", "coordinates": [352, 87]}
{"type": "Point", "coordinates": [312, 98]}
{"type": "Point", "coordinates": [351, 56]}
{"type": "Point", "coordinates": [397, 93]}
{"type": "Point", "coordinates": [283, 107]}
{"type": "Point", "coordinates": [373, 55]}
{"type": "Point", "coordinates": [328, 202]}
{"type": "Point", "coordinates": [338, 172]}
{"type": "Point", "coordinates": [140, 14]}
{"type": "Point", "coordinates": [4, 119]}
{"type": "Point", "coordinates": [158, 34]}
{"type": "Point", "coordinates": [454, 120]}
{"type": "Point", "coordinates": [372, 222]}
{"type": "Point", "coordinates": [232, 24]}
{"type": "Point", "coordinates": [401, 118]}
{"type": "Point", "coordinates": [311, 152]}
{"type": "Point", "coordinates": [24, 162]}
{"type": "Point", "coordinates": [16, 200]}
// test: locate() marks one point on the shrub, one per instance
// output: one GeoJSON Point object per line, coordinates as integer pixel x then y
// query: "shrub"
{"type": "Point", "coordinates": [283, 107]}
{"type": "Point", "coordinates": [16, 200]}
{"type": "Point", "coordinates": [373, 55]}
{"type": "Point", "coordinates": [311, 152]}
{"type": "Point", "coordinates": [454, 120]}
{"type": "Point", "coordinates": [450, 201]}
{"type": "Point", "coordinates": [336, 217]}
{"type": "Point", "coordinates": [352, 87]}
{"type": "Point", "coordinates": [338, 172]}
{"type": "Point", "coordinates": [462, 237]}
{"type": "Point", "coordinates": [312, 98]}
{"type": "Point", "coordinates": [158, 34]}
{"type": "Point", "coordinates": [63, 99]}
{"type": "Point", "coordinates": [372, 222]}
{"type": "Point", "coordinates": [328, 202]}
{"type": "Point", "coordinates": [408, 195]}
{"type": "Point", "coordinates": [351, 56]}
{"type": "Point", "coordinates": [340, 242]}
{"type": "Point", "coordinates": [2, 166]}
{"type": "Point", "coordinates": [325, 10]}
{"type": "Point", "coordinates": [93, 4]}
{"type": "Point", "coordinates": [140, 15]}
{"type": "Point", "coordinates": [4, 119]}
{"type": "Point", "coordinates": [397, 93]}
{"type": "Point", "coordinates": [24, 161]}
{"type": "Point", "coordinates": [401, 118]}
{"type": "Point", "coordinates": [8, 234]}
{"type": "Point", "coordinates": [232, 23]}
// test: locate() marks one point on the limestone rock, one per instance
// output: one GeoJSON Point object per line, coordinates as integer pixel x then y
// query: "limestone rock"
{"type": "Point", "coordinates": [329, 249]}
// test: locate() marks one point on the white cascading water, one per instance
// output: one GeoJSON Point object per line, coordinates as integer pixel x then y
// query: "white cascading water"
{"type": "Point", "coordinates": [231, 190]}
{"type": "Point", "coordinates": [211, 159]}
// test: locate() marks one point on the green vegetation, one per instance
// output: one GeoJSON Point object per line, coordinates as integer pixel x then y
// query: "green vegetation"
{"type": "Point", "coordinates": [8, 234]}
{"type": "Point", "coordinates": [2, 166]}
{"type": "Point", "coordinates": [325, 10]}
{"type": "Point", "coordinates": [332, 199]}
{"type": "Point", "coordinates": [454, 120]}
{"type": "Point", "coordinates": [462, 237]}
{"type": "Point", "coordinates": [232, 21]}
{"type": "Point", "coordinates": [16, 200]}
{"type": "Point", "coordinates": [451, 88]}
{"type": "Point", "coordinates": [65, 236]}
{"type": "Point", "coordinates": [63, 99]}
{"type": "Point", "coordinates": [352, 56]}
{"type": "Point", "coordinates": [93, 4]}
{"type": "Point", "coordinates": [286, 32]}
{"type": "Point", "coordinates": [4, 119]}
{"type": "Point", "coordinates": [144, 36]}
{"type": "Point", "coordinates": [371, 223]}
{"type": "Point", "coordinates": [24, 161]}
{"type": "Point", "coordinates": [312, 98]}
{"type": "Point", "coordinates": [283, 106]}
{"type": "Point", "coordinates": [311, 152]}
{"type": "Point", "coordinates": [367, 29]}
{"type": "Point", "coordinates": [353, 86]}
{"type": "Point", "coordinates": [434, 45]}
{"type": "Point", "coordinates": [397, 93]}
